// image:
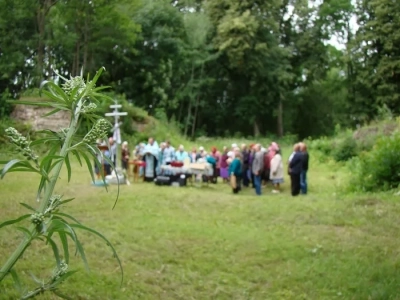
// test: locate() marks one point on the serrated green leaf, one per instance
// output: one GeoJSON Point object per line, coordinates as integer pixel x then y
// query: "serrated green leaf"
{"type": "Point", "coordinates": [89, 165]}
{"type": "Point", "coordinates": [76, 153]}
{"type": "Point", "coordinates": [27, 206]}
{"type": "Point", "coordinates": [10, 222]}
{"type": "Point", "coordinates": [17, 282]}
{"type": "Point", "coordinates": [42, 186]}
{"type": "Point", "coordinates": [33, 103]}
{"type": "Point", "coordinates": [45, 141]}
{"type": "Point", "coordinates": [25, 231]}
{"type": "Point", "coordinates": [66, 201]}
{"type": "Point", "coordinates": [68, 165]}
{"type": "Point", "coordinates": [55, 251]}
{"type": "Point", "coordinates": [7, 167]}
{"type": "Point", "coordinates": [52, 112]}
{"type": "Point", "coordinates": [66, 216]}
{"type": "Point", "coordinates": [64, 242]}
{"type": "Point", "coordinates": [83, 227]}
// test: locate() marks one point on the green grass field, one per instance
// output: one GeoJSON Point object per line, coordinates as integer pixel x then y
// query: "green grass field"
{"type": "Point", "coordinates": [206, 243]}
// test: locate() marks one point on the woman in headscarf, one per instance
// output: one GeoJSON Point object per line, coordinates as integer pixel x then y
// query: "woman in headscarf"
{"type": "Point", "coordinates": [224, 165]}
{"type": "Point", "coordinates": [276, 171]}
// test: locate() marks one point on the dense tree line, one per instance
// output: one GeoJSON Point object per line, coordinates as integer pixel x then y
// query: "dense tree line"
{"type": "Point", "coordinates": [216, 67]}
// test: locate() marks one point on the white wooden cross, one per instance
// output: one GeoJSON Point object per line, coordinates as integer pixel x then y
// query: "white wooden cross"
{"type": "Point", "coordinates": [117, 132]}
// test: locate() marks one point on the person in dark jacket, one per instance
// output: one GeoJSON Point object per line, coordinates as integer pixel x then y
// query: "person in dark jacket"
{"type": "Point", "coordinates": [295, 168]}
{"type": "Point", "coordinates": [245, 165]}
{"type": "Point", "coordinates": [303, 174]}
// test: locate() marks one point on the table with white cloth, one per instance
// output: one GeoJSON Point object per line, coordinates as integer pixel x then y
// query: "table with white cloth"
{"type": "Point", "coordinates": [198, 169]}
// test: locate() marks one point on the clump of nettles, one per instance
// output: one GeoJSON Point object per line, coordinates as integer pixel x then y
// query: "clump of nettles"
{"type": "Point", "coordinates": [99, 131]}
{"type": "Point", "coordinates": [21, 143]}
{"type": "Point", "coordinates": [73, 83]}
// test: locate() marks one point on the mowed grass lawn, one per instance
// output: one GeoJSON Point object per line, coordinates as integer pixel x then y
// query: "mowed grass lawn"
{"type": "Point", "coordinates": [206, 243]}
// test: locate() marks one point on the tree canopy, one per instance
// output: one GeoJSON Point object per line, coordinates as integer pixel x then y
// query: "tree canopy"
{"type": "Point", "coordinates": [216, 67]}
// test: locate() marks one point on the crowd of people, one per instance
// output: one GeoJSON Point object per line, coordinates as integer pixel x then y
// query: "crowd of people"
{"type": "Point", "coordinates": [245, 166]}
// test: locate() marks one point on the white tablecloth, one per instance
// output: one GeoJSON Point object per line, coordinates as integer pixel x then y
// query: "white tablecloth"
{"type": "Point", "coordinates": [208, 170]}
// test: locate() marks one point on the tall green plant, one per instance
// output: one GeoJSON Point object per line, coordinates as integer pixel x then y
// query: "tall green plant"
{"type": "Point", "coordinates": [48, 222]}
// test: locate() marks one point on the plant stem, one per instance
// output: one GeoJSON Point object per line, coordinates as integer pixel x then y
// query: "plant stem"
{"type": "Point", "coordinates": [9, 264]}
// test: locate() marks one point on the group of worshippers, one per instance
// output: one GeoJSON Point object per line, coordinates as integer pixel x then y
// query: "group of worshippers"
{"type": "Point", "coordinates": [257, 166]}
{"type": "Point", "coordinates": [111, 154]}
{"type": "Point", "coordinates": [249, 164]}
{"type": "Point", "coordinates": [155, 155]}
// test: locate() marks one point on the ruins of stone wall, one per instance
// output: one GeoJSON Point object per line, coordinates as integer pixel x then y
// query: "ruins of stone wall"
{"type": "Point", "coordinates": [33, 115]}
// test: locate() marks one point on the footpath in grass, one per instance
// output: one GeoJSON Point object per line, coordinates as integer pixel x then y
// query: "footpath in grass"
{"type": "Point", "coordinates": [206, 243]}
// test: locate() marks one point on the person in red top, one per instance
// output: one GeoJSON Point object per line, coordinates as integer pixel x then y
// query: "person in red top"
{"type": "Point", "coordinates": [217, 156]}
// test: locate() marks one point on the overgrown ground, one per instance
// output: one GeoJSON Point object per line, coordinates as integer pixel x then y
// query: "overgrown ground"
{"type": "Point", "coordinates": [205, 243]}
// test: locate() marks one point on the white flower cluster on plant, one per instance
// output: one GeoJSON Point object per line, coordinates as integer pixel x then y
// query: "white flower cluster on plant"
{"type": "Point", "coordinates": [99, 131]}
{"type": "Point", "coordinates": [22, 143]}
{"type": "Point", "coordinates": [37, 218]}
{"type": "Point", "coordinates": [91, 107]}
{"type": "Point", "coordinates": [73, 83]}
{"type": "Point", "coordinates": [59, 271]}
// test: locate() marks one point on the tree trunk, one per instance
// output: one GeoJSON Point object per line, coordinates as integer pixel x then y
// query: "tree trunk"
{"type": "Point", "coordinates": [42, 11]}
{"type": "Point", "coordinates": [190, 103]}
{"type": "Point", "coordinates": [256, 128]}
{"type": "Point", "coordinates": [280, 117]}
{"type": "Point", "coordinates": [40, 19]}
{"type": "Point", "coordinates": [85, 44]}
{"type": "Point", "coordinates": [196, 109]}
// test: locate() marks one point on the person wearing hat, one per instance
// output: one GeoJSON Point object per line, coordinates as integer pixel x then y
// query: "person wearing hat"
{"type": "Point", "coordinates": [201, 152]}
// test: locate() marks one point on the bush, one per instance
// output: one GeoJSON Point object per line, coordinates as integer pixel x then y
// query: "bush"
{"type": "Point", "coordinates": [379, 169]}
{"type": "Point", "coordinates": [323, 144]}
{"type": "Point", "coordinates": [345, 149]}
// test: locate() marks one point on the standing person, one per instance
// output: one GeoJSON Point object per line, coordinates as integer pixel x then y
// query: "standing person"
{"type": "Point", "coordinates": [276, 172]}
{"type": "Point", "coordinates": [151, 155]}
{"type": "Point", "coordinates": [250, 174]}
{"type": "Point", "coordinates": [295, 168]}
{"type": "Point", "coordinates": [245, 165]}
{"type": "Point", "coordinates": [217, 156]}
{"type": "Point", "coordinates": [113, 150]}
{"type": "Point", "coordinates": [257, 168]}
{"type": "Point", "coordinates": [224, 172]}
{"type": "Point", "coordinates": [235, 169]}
{"type": "Point", "coordinates": [181, 154]}
{"type": "Point", "coordinates": [168, 153]}
{"type": "Point", "coordinates": [124, 155]}
{"type": "Point", "coordinates": [193, 155]}
{"type": "Point", "coordinates": [303, 174]}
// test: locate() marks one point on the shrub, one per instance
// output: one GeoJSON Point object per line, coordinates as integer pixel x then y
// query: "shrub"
{"type": "Point", "coordinates": [323, 144]}
{"type": "Point", "coordinates": [379, 169]}
{"type": "Point", "coordinates": [345, 149]}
